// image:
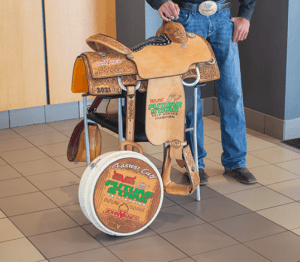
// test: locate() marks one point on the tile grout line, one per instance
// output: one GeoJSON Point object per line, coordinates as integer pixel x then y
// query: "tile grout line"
{"type": "Point", "coordinates": [209, 223]}
{"type": "Point", "coordinates": [82, 252]}
{"type": "Point", "coordinates": [79, 225]}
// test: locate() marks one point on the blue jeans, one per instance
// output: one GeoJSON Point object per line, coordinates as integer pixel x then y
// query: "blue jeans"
{"type": "Point", "coordinates": [218, 30]}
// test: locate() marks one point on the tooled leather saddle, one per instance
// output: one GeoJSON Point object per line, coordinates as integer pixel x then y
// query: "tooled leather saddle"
{"type": "Point", "coordinates": [156, 66]}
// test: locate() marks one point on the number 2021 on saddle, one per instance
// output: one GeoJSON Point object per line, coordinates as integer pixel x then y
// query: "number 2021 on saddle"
{"type": "Point", "coordinates": [121, 192]}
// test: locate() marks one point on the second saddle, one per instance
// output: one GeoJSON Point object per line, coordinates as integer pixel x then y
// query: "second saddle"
{"type": "Point", "coordinates": [157, 67]}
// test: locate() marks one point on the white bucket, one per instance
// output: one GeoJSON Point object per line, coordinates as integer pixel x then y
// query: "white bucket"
{"type": "Point", "coordinates": [121, 193]}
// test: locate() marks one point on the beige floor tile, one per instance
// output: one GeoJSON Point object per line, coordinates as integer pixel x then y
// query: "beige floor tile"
{"type": "Point", "coordinates": [198, 239]}
{"type": "Point", "coordinates": [2, 215]}
{"type": "Point", "coordinates": [54, 179]}
{"type": "Point", "coordinates": [287, 216]}
{"type": "Point", "coordinates": [281, 247]}
{"type": "Point", "coordinates": [65, 125]}
{"type": "Point", "coordinates": [215, 208]}
{"type": "Point", "coordinates": [8, 230]}
{"type": "Point", "coordinates": [17, 186]}
{"type": "Point", "coordinates": [43, 222]}
{"type": "Point", "coordinates": [275, 155]}
{"type": "Point", "coordinates": [2, 162]}
{"type": "Point", "coordinates": [108, 240]}
{"type": "Point", "coordinates": [155, 161]}
{"type": "Point", "coordinates": [255, 143]}
{"type": "Point", "coordinates": [252, 198]}
{"type": "Point", "coordinates": [296, 231]}
{"type": "Point", "coordinates": [205, 193]}
{"type": "Point", "coordinates": [271, 174]}
{"type": "Point", "coordinates": [173, 218]}
{"type": "Point", "coordinates": [48, 139]}
{"type": "Point", "coordinates": [187, 259]}
{"type": "Point", "coordinates": [252, 161]}
{"type": "Point", "coordinates": [214, 150]}
{"type": "Point", "coordinates": [63, 160]}
{"type": "Point", "coordinates": [253, 132]}
{"type": "Point", "coordinates": [7, 172]}
{"type": "Point", "coordinates": [152, 248]}
{"type": "Point", "coordinates": [78, 171]}
{"type": "Point", "coordinates": [19, 250]}
{"type": "Point", "coordinates": [214, 134]}
{"type": "Point", "coordinates": [53, 150]}
{"type": "Point", "coordinates": [14, 144]}
{"type": "Point", "coordinates": [212, 117]}
{"type": "Point", "coordinates": [292, 166]}
{"type": "Point", "coordinates": [248, 227]}
{"type": "Point", "coordinates": [237, 253]}
{"type": "Point", "coordinates": [23, 204]}
{"type": "Point", "coordinates": [109, 141]}
{"type": "Point", "coordinates": [269, 139]}
{"type": "Point", "coordinates": [109, 149]}
{"type": "Point", "coordinates": [8, 134]}
{"type": "Point", "coordinates": [107, 131]}
{"type": "Point", "coordinates": [208, 140]}
{"type": "Point", "coordinates": [68, 133]}
{"type": "Point", "coordinates": [209, 124]}
{"type": "Point", "coordinates": [288, 188]}
{"type": "Point", "coordinates": [178, 168]}
{"type": "Point", "coordinates": [75, 212]}
{"type": "Point", "coordinates": [34, 130]}
{"type": "Point", "coordinates": [99, 254]}
{"type": "Point", "coordinates": [212, 168]}
{"type": "Point", "coordinates": [151, 149]}
{"type": "Point", "coordinates": [226, 185]}
{"type": "Point", "coordinates": [63, 196]}
{"type": "Point", "coordinates": [23, 155]}
{"type": "Point", "coordinates": [38, 167]}
{"type": "Point", "coordinates": [64, 242]}
{"type": "Point", "coordinates": [159, 156]}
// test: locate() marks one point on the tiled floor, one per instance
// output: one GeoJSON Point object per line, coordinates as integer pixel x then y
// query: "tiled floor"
{"type": "Point", "coordinates": [41, 220]}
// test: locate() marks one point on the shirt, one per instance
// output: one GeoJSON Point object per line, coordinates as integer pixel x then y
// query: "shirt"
{"type": "Point", "coordinates": [246, 6]}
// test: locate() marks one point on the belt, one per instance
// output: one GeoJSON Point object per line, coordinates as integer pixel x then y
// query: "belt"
{"type": "Point", "coordinates": [207, 8]}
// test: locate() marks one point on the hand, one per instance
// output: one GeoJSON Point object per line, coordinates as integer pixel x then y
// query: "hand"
{"type": "Point", "coordinates": [168, 11]}
{"type": "Point", "coordinates": [241, 28]}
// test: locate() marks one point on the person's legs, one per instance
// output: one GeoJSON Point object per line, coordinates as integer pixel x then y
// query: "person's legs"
{"type": "Point", "coordinates": [230, 96]}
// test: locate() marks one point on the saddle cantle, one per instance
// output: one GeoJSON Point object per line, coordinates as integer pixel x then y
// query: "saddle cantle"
{"type": "Point", "coordinates": [158, 65]}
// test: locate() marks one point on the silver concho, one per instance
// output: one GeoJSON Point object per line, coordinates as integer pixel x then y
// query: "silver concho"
{"type": "Point", "coordinates": [208, 8]}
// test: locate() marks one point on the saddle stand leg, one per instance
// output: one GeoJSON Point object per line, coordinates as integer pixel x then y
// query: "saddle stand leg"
{"type": "Point", "coordinates": [195, 137]}
{"type": "Point", "coordinates": [120, 120]}
{"type": "Point", "coordinates": [86, 129]}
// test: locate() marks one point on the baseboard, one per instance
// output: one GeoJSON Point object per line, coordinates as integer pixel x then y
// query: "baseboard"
{"type": "Point", "coordinates": [38, 115]}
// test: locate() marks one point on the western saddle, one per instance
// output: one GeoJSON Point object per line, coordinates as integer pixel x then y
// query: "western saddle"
{"type": "Point", "coordinates": [157, 66]}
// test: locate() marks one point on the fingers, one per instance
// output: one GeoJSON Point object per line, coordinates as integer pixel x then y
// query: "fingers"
{"type": "Point", "coordinates": [241, 29]}
{"type": "Point", "coordinates": [168, 11]}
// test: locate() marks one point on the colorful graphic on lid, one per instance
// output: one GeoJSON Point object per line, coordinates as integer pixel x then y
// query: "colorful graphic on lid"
{"type": "Point", "coordinates": [127, 195]}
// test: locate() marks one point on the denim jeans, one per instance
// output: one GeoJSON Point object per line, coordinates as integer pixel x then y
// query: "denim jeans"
{"type": "Point", "coordinates": [218, 30]}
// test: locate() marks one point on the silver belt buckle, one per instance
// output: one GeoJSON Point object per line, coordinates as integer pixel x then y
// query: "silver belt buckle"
{"type": "Point", "coordinates": [208, 8]}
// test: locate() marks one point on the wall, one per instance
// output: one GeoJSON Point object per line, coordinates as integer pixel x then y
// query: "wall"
{"type": "Point", "coordinates": [263, 58]}
{"type": "Point", "coordinates": [130, 17]}
{"type": "Point", "coordinates": [24, 98]}
{"type": "Point", "coordinates": [22, 67]}
{"type": "Point", "coordinates": [292, 99]}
